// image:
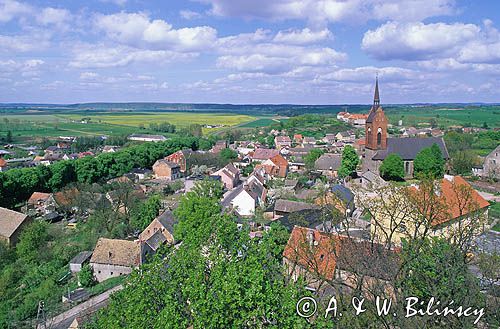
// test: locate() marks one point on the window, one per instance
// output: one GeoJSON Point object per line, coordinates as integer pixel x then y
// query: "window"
{"type": "Point", "coordinates": [379, 138]}
{"type": "Point", "coordinates": [407, 167]}
{"type": "Point", "coordinates": [99, 272]}
{"type": "Point", "coordinates": [111, 273]}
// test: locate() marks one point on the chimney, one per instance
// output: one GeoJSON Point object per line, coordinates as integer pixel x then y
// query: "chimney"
{"type": "Point", "coordinates": [310, 238]}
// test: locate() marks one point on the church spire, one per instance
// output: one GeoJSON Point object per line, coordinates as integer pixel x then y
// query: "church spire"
{"type": "Point", "coordinates": [376, 98]}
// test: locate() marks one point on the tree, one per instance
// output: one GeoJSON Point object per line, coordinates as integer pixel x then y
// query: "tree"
{"type": "Point", "coordinates": [463, 161]}
{"type": "Point", "coordinates": [31, 241]}
{"type": "Point", "coordinates": [350, 161]}
{"type": "Point", "coordinates": [392, 168]}
{"type": "Point", "coordinates": [8, 138]}
{"type": "Point", "coordinates": [86, 276]}
{"type": "Point", "coordinates": [228, 155]}
{"type": "Point", "coordinates": [217, 278]}
{"type": "Point", "coordinates": [146, 212]}
{"type": "Point", "coordinates": [429, 162]}
{"type": "Point", "coordinates": [311, 157]}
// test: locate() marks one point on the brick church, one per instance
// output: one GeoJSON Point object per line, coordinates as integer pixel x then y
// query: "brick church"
{"type": "Point", "coordinates": [379, 145]}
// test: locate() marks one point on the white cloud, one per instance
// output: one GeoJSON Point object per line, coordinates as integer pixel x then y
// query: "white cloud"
{"type": "Point", "coordinates": [102, 56]}
{"type": "Point", "coordinates": [30, 67]}
{"type": "Point", "coordinates": [302, 37]}
{"type": "Point", "coordinates": [137, 30]}
{"type": "Point", "coordinates": [116, 2]}
{"type": "Point", "coordinates": [10, 9]}
{"type": "Point", "coordinates": [368, 73]}
{"type": "Point", "coordinates": [189, 14]}
{"type": "Point", "coordinates": [321, 11]}
{"type": "Point", "coordinates": [54, 16]}
{"type": "Point", "coordinates": [24, 43]}
{"type": "Point", "coordinates": [417, 41]}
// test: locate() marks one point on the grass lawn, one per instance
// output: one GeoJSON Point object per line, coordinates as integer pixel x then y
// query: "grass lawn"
{"type": "Point", "coordinates": [496, 228]}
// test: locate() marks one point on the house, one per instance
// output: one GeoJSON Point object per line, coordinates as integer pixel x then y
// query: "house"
{"type": "Point", "coordinates": [11, 225]}
{"type": "Point", "coordinates": [3, 165]}
{"type": "Point", "coordinates": [339, 197]}
{"type": "Point", "coordinates": [282, 141]}
{"type": "Point", "coordinates": [357, 119]}
{"type": "Point", "coordinates": [491, 165]}
{"type": "Point", "coordinates": [229, 175]}
{"type": "Point", "coordinates": [41, 203]}
{"type": "Point", "coordinates": [53, 151]}
{"type": "Point", "coordinates": [283, 207]}
{"type": "Point", "coordinates": [167, 170]}
{"type": "Point", "coordinates": [379, 146]}
{"type": "Point", "coordinates": [219, 146]}
{"type": "Point", "coordinates": [328, 164]}
{"type": "Point", "coordinates": [456, 206]}
{"type": "Point", "coordinates": [297, 138]}
{"type": "Point", "coordinates": [114, 257]}
{"type": "Point", "coordinates": [245, 198]}
{"type": "Point", "coordinates": [110, 149]}
{"type": "Point", "coordinates": [308, 141]}
{"type": "Point", "coordinates": [263, 154]}
{"type": "Point", "coordinates": [319, 219]}
{"type": "Point", "coordinates": [277, 166]}
{"type": "Point", "coordinates": [329, 139]}
{"type": "Point", "coordinates": [370, 181]}
{"type": "Point", "coordinates": [330, 260]}
{"type": "Point", "coordinates": [147, 138]}
{"type": "Point", "coordinates": [76, 264]}
{"type": "Point", "coordinates": [141, 173]}
{"type": "Point", "coordinates": [187, 158]}
{"type": "Point", "coordinates": [299, 151]}
{"type": "Point", "coordinates": [345, 137]}
{"type": "Point", "coordinates": [159, 231]}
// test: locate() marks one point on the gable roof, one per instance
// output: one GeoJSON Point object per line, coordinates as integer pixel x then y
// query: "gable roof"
{"type": "Point", "coordinates": [408, 148]}
{"type": "Point", "coordinates": [322, 253]}
{"type": "Point", "coordinates": [328, 161]}
{"type": "Point", "coordinates": [168, 220]}
{"type": "Point", "coordinates": [264, 154]}
{"type": "Point", "coordinates": [279, 160]}
{"type": "Point", "coordinates": [292, 206]}
{"type": "Point", "coordinates": [10, 220]}
{"type": "Point", "coordinates": [117, 252]}
{"type": "Point", "coordinates": [81, 258]}
{"type": "Point", "coordinates": [169, 164]}
{"type": "Point", "coordinates": [343, 193]}
{"type": "Point", "coordinates": [38, 196]}
{"type": "Point", "coordinates": [156, 240]}
{"type": "Point", "coordinates": [283, 139]}
{"type": "Point", "coordinates": [3, 163]}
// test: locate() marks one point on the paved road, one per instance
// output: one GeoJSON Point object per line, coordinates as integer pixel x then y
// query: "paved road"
{"type": "Point", "coordinates": [64, 319]}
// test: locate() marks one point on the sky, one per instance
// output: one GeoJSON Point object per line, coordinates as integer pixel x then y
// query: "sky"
{"type": "Point", "coordinates": [242, 51]}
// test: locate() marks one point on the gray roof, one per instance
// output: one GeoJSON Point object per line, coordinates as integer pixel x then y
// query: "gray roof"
{"type": "Point", "coordinates": [168, 220]}
{"type": "Point", "coordinates": [226, 202]}
{"type": "Point", "coordinates": [408, 148]}
{"type": "Point", "coordinates": [156, 240]}
{"type": "Point", "coordinates": [81, 258]}
{"type": "Point", "coordinates": [292, 206]}
{"type": "Point", "coordinates": [328, 161]}
{"type": "Point", "coordinates": [371, 114]}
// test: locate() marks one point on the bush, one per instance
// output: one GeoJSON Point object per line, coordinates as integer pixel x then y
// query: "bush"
{"type": "Point", "coordinates": [86, 276]}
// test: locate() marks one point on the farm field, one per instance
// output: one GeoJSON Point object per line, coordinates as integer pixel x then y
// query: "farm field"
{"type": "Point", "coordinates": [179, 119]}
{"type": "Point", "coordinates": [446, 117]}
{"type": "Point", "coordinates": [262, 122]}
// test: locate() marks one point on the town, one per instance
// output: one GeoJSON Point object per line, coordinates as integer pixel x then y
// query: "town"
{"type": "Point", "coordinates": [317, 205]}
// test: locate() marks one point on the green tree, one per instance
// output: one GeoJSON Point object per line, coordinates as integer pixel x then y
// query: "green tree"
{"type": "Point", "coordinates": [429, 162]}
{"type": "Point", "coordinates": [350, 161]}
{"type": "Point", "coordinates": [86, 276]}
{"type": "Point", "coordinates": [8, 138]}
{"type": "Point", "coordinates": [311, 157]}
{"type": "Point", "coordinates": [217, 278]}
{"type": "Point", "coordinates": [146, 212]}
{"type": "Point", "coordinates": [228, 155]}
{"type": "Point", "coordinates": [392, 168]}
{"type": "Point", "coordinates": [31, 241]}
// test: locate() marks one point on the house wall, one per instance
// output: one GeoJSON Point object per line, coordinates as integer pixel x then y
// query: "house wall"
{"type": "Point", "coordinates": [445, 230]}
{"type": "Point", "coordinates": [163, 171]}
{"type": "Point", "coordinates": [244, 204]}
{"type": "Point", "coordinates": [105, 271]}
{"type": "Point", "coordinates": [491, 167]}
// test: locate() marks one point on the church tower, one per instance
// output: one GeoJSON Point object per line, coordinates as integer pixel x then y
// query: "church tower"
{"type": "Point", "coordinates": [376, 125]}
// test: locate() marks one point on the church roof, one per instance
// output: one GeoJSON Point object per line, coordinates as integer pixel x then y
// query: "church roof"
{"type": "Point", "coordinates": [408, 148]}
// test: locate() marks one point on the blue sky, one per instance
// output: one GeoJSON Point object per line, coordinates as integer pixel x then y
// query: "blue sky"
{"type": "Point", "coordinates": [240, 51]}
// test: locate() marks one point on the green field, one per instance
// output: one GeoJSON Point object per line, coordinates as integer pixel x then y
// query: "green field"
{"type": "Point", "coordinates": [179, 119]}
{"type": "Point", "coordinates": [262, 122]}
{"type": "Point", "coordinates": [30, 126]}
{"type": "Point", "coordinates": [446, 117]}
